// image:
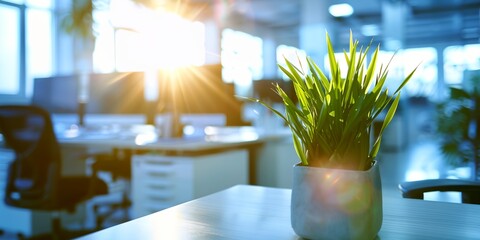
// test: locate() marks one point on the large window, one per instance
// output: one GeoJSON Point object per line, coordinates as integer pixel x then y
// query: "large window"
{"type": "Point", "coordinates": [27, 52]}
{"type": "Point", "coordinates": [424, 81]}
{"type": "Point", "coordinates": [341, 61]}
{"type": "Point", "coordinates": [10, 49]}
{"type": "Point", "coordinates": [40, 41]}
{"type": "Point", "coordinates": [396, 72]}
{"type": "Point", "coordinates": [242, 60]}
{"type": "Point", "coordinates": [458, 59]}
{"type": "Point", "coordinates": [146, 39]}
{"type": "Point", "coordinates": [294, 55]}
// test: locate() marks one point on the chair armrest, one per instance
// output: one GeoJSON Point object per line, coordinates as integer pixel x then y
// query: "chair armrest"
{"type": "Point", "coordinates": [415, 189]}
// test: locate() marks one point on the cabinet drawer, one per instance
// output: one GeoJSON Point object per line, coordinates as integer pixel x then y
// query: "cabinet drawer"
{"type": "Point", "coordinates": [159, 182]}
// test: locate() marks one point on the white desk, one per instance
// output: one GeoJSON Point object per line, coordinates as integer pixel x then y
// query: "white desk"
{"type": "Point", "coordinates": [274, 153]}
{"type": "Point", "coordinates": [252, 212]}
{"type": "Point", "coordinates": [138, 139]}
{"type": "Point", "coordinates": [166, 172]}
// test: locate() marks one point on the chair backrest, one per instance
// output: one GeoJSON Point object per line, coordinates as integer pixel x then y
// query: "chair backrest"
{"type": "Point", "coordinates": [33, 175]}
{"type": "Point", "coordinates": [470, 190]}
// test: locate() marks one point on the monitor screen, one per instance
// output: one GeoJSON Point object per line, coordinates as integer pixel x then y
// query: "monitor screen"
{"type": "Point", "coordinates": [57, 94]}
{"type": "Point", "coordinates": [116, 93]}
{"type": "Point", "coordinates": [198, 90]}
{"type": "Point", "coordinates": [265, 90]}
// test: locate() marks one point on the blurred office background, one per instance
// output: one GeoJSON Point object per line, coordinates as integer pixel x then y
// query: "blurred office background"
{"type": "Point", "coordinates": [248, 38]}
{"type": "Point", "coordinates": [153, 57]}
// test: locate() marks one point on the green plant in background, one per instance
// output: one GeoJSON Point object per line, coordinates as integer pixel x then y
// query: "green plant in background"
{"type": "Point", "coordinates": [332, 124]}
{"type": "Point", "coordinates": [458, 121]}
{"type": "Point", "coordinates": [79, 21]}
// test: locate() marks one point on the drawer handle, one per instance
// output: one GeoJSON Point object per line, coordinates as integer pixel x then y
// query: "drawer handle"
{"type": "Point", "coordinates": [160, 198]}
{"type": "Point", "coordinates": [164, 163]}
{"type": "Point", "coordinates": [159, 174]}
{"type": "Point", "coordinates": [159, 187]}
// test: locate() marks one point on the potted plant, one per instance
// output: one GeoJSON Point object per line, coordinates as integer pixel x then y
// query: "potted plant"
{"type": "Point", "coordinates": [336, 191]}
{"type": "Point", "coordinates": [458, 121]}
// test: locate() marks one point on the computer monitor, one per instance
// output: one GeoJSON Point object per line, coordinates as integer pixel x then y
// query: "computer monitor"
{"type": "Point", "coordinates": [57, 94]}
{"type": "Point", "coordinates": [198, 90]}
{"type": "Point", "coordinates": [265, 90]}
{"type": "Point", "coordinates": [116, 93]}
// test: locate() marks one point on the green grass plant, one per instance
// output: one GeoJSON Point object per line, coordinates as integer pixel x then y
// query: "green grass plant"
{"type": "Point", "coordinates": [332, 122]}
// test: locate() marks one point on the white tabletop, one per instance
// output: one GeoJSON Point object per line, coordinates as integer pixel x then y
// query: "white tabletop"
{"type": "Point", "coordinates": [253, 212]}
{"type": "Point", "coordinates": [228, 137]}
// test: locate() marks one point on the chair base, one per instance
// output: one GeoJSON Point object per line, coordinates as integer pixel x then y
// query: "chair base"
{"type": "Point", "coordinates": [112, 208]}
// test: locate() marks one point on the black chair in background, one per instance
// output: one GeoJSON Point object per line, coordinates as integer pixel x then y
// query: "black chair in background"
{"type": "Point", "coordinates": [118, 165]}
{"type": "Point", "coordinates": [34, 178]}
{"type": "Point", "coordinates": [415, 189]}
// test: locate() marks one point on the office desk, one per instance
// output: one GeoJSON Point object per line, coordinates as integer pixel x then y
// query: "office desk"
{"type": "Point", "coordinates": [253, 212]}
{"type": "Point", "coordinates": [221, 138]}
{"type": "Point", "coordinates": [141, 139]}
{"type": "Point", "coordinates": [166, 172]}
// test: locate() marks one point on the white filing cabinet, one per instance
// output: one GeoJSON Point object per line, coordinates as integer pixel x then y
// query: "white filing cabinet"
{"type": "Point", "coordinates": [159, 181]}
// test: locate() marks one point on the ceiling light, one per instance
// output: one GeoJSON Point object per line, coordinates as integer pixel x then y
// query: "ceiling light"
{"type": "Point", "coordinates": [341, 10]}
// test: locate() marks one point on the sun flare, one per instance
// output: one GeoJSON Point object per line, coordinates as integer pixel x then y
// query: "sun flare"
{"type": "Point", "coordinates": [164, 37]}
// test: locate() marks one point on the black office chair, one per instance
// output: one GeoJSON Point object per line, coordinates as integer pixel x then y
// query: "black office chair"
{"type": "Point", "coordinates": [415, 189]}
{"type": "Point", "coordinates": [34, 178]}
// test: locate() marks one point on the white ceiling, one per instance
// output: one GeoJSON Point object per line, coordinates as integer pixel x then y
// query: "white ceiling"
{"type": "Point", "coordinates": [426, 21]}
